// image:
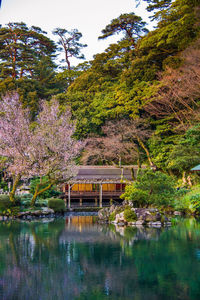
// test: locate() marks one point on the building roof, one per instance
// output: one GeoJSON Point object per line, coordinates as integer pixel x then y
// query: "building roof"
{"type": "Point", "coordinates": [104, 174]}
{"type": "Point", "coordinates": [197, 168]}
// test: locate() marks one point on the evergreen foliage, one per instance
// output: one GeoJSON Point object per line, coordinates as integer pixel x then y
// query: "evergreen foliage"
{"type": "Point", "coordinates": [136, 102]}
{"type": "Point", "coordinates": [5, 202]}
{"type": "Point", "coordinates": [58, 205]}
{"type": "Point", "coordinates": [130, 215]}
{"type": "Point", "coordinates": [52, 192]}
{"type": "Point", "coordinates": [151, 189]}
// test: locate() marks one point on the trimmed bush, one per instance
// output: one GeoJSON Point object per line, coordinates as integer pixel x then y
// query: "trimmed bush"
{"type": "Point", "coordinates": [5, 202]}
{"type": "Point", "coordinates": [58, 205]}
{"type": "Point", "coordinates": [129, 215]}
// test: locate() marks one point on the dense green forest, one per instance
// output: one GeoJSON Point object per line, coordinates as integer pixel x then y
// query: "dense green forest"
{"type": "Point", "coordinates": [135, 103]}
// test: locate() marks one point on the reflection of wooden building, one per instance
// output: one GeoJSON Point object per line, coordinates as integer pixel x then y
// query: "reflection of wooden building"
{"type": "Point", "coordinates": [98, 183]}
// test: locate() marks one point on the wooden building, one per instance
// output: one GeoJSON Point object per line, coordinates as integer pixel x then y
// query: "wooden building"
{"type": "Point", "coordinates": [98, 183]}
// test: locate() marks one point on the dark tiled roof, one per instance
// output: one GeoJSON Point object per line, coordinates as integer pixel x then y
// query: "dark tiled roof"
{"type": "Point", "coordinates": [103, 173]}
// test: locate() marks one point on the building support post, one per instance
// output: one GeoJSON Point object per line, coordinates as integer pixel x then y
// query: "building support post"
{"type": "Point", "coordinates": [81, 201]}
{"type": "Point", "coordinates": [96, 201]}
{"type": "Point", "coordinates": [69, 196]}
{"type": "Point", "coordinates": [100, 195]}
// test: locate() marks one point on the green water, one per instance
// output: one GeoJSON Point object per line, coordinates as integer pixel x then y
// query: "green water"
{"type": "Point", "coordinates": [75, 258]}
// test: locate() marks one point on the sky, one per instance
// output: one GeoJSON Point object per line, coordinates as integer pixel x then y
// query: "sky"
{"type": "Point", "coordinates": [88, 16]}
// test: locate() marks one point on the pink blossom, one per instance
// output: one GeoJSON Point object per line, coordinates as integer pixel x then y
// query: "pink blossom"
{"type": "Point", "coordinates": [44, 148]}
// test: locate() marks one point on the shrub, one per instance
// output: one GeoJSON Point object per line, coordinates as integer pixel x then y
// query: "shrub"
{"type": "Point", "coordinates": [58, 205]}
{"type": "Point", "coordinates": [12, 211]}
{"type": "Point", "coordinates": [138, 197]}
{"type": "Point", "coordinates": [195, 201]}
{"type": "Point", "coordinates": [174, 221]}
{"type": "Point", "coordinates": [5, 202]}
{"type": "Point", "coordinates": [25, 202]}
{"type": "Point", "coordinates": [41, 203]}
{"type": "Point", "coordinates": [112, 216]}
{"type": "Point", "coordinates": [151, 188]}
{"type": "Point", "coordinates": [17, 201]}
{"type": "Point", "coordinates": [129, 215]}
{"type": "Point", "coordinates": [27, 196]}
{"type": "Point", "coordinates": [188, 201]}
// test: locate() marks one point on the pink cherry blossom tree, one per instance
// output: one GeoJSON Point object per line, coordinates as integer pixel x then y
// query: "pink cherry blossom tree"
{"type": "Point", "coordinates": [54, 148]}
{"type": "Point", "coordinates": [15, 138]}
{"type": "Point", "coordinates": [43, 148]}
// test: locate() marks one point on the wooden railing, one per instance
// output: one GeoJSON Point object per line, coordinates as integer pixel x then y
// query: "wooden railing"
{"type": "Point", "coordinates": [95, 193]}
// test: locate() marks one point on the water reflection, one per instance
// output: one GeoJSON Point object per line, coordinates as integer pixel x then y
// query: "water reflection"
{"type": "Point", "coordinates": [76, 258]}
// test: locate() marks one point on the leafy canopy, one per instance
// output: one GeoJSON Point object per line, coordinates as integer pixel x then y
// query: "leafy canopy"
{"type": "Point", "coordinates": [151, 189]}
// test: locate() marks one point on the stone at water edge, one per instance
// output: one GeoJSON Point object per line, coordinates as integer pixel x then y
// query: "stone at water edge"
{"type": "Point", "coordinates": [131, 223]}
{"type": "Point", "coordinates": [104, 214]}
{"type": "Point", "coordinates": [177, 213]}
{"type": "Point", "coordinates": [119, 218]}
{"type": "Point", "coordinates": [139, 222]}
{"type": "Point", "coordinates": [112, 208]}
{"type": "Point", "coordinates": [47, 210]}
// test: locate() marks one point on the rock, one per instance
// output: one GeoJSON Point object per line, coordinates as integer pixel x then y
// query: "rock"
{"type": "Point", "coordinates": [153, 210]}
{"type": "Point", "coordinates": [113, 222]}
{"type": "Point", "coordinates": [145, 216]}
{"type": "Point", "coordinates": [177, 213]}
{"type": "Point", "coordinates": [120, 224]}
{"type": "Point", "coordinates": [139, 222]}
{"type": "Point", "coordinates": [152, 218]}
{"type": "Point", "coordinates": [167, 224]}
{"type": "Point", "coordinates": [36, 213]}
{"type": "Point", "coordinates": [130, 203]}
{"type": "Point", "coordinates": [127, 202]}
{"type": "Point", "coordinates": [120, 218]}
{"type": "Point", "coordinates": [112, 208]}
{"type": "Point", "coordinates": [164, 219]}
{"type": "Point", "coordinates": [156, 224]}
{"type": "Point", "coordinates": [47, 210]}
{"type": "Point", "coordinates": [131, 223]}
{"type": "Point", "coordinates": [103, 214]}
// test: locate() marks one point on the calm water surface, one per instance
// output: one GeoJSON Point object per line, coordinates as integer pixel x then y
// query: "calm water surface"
{"type": "Point", "coordinates": [75, 258]}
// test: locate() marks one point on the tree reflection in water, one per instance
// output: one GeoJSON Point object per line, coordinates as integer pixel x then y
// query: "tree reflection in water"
{"type": "Point", "coordinates": [76, 258]}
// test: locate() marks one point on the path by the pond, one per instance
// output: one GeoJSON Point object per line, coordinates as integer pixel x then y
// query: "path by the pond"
{"type": "Point", "coordinates": [76, 258]}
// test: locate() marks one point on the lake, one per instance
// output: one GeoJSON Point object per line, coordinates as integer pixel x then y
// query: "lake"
{"type": "Point", "coordinates": [76, 258]}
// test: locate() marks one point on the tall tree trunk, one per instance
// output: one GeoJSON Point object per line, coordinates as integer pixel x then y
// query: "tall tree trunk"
{"type": "Point", "coordinates": [189, 180]}
{"type": "Point", "coordinates": [39, 191]}
{"type": "Point", "coordinates": [184, 178]}
{"type": "Point", "coordinates": [146, 151]}
{"type": "Point", "coordinates": [133, 174]}
{"type": "Point", "coordinates": [138, 161]}
{"type": "Point", "coordinates": [171, 173]}
{"type": "Point", "coordinates": [14, 188]}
